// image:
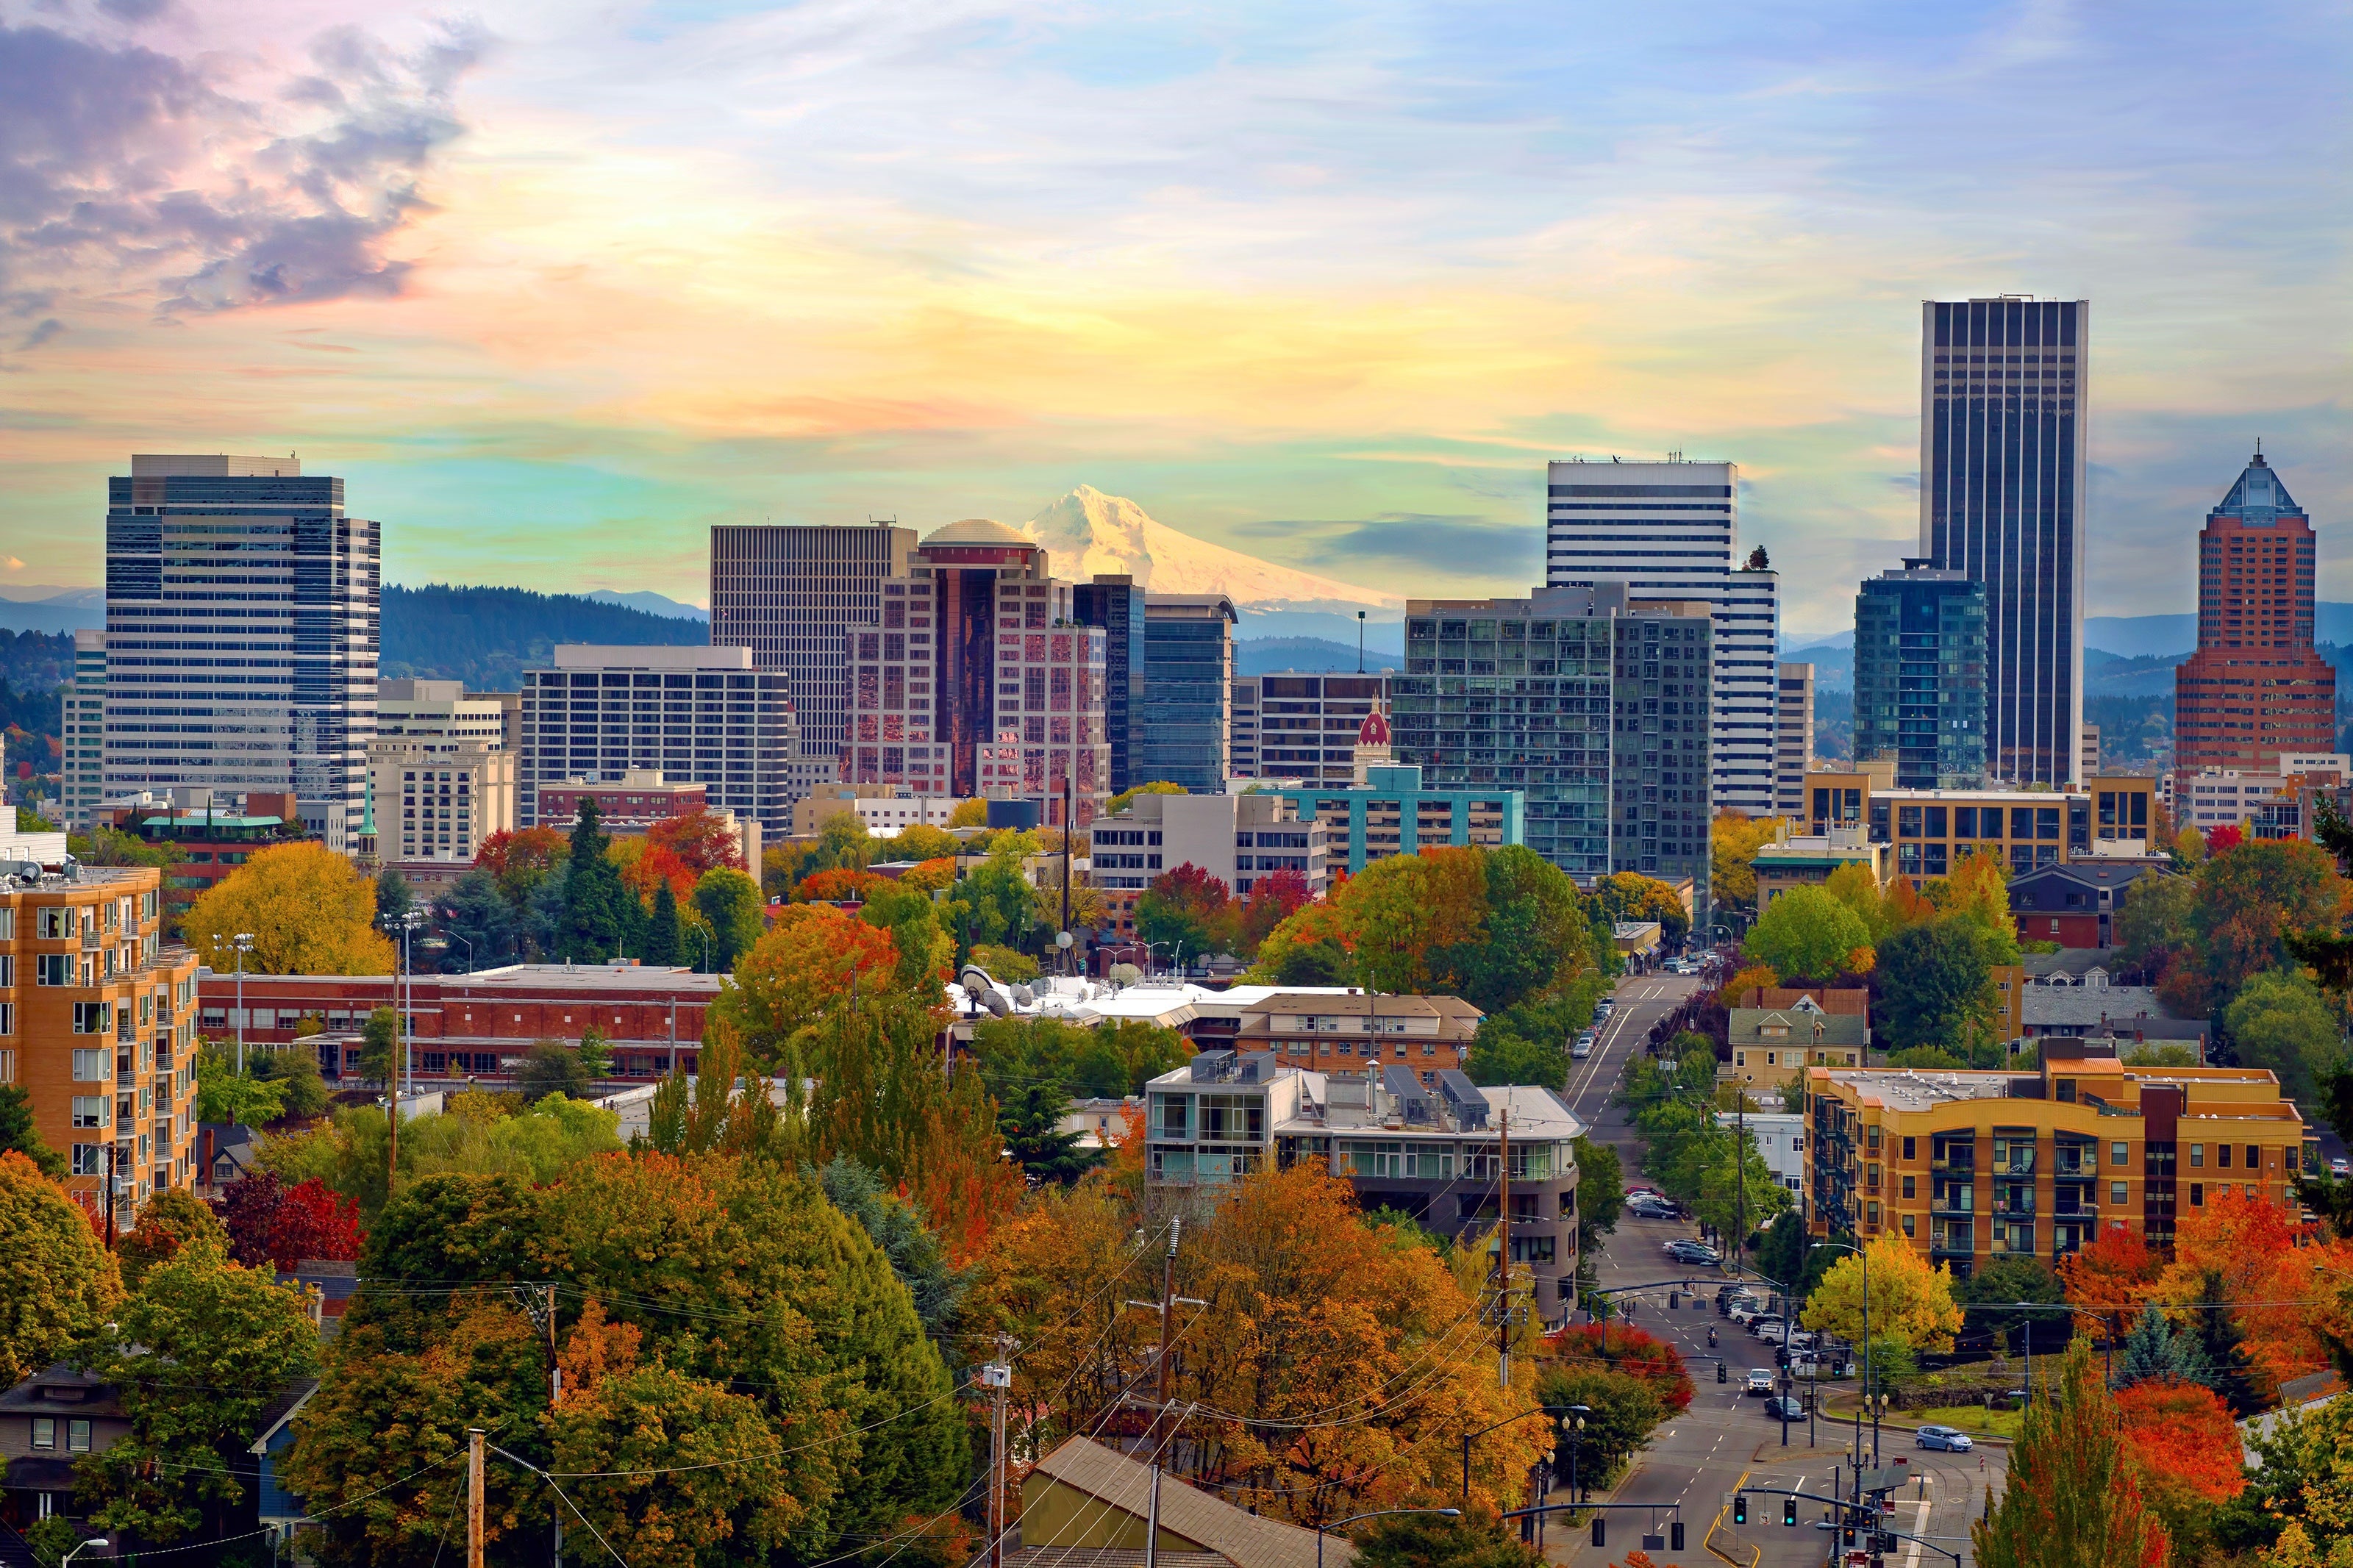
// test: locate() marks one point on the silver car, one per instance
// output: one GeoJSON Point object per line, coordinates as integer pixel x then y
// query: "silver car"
{"type": "Point", "coordinates": [1952, 1439]}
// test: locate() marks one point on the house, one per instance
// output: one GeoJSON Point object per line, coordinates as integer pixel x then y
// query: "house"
{"type": "Point", "coordinates": [1087, 1506]}
{"type": "Point", "coordinates": [1776, 1030]}
{"type": "Point", "coordinates": [225, 1151]}
{"type": "Point", "coordinates": [1780, 1137]}
{"type": "Point", "coordinates": [2072, 903]}
{"type": "Point", "coordinates": [1101, 1124]}
{"type": "Point", "coordinates": [47, 1423]}
{"type": "Point", "coordinates": [279, 1511]}
{"type": "Point", "coordinates": [1339, 1033]}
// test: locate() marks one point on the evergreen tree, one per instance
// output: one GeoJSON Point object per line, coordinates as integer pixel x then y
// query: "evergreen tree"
{"type": "Point", "coordinates": [660, 947]}
{"type": "Point", "coordinates": [392, 899]}
{"type": "Point", "coordinates": [2072, 1499]}
{"type": "Point", "coordinates": [2223, 1343]}
{"type": "Point", "coordinates": [2155, 1349]}
{"type": "Point", "coordinates": [593, 927]}
{"type": "Point", "coordinates": [19, 1134]}
{"type": "Point", "coordinates": [1031, 1121]}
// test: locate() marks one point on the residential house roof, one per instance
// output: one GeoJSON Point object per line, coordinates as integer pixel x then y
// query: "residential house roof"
{"type": "Point", "coordinates": [1829, 999]}
{"type": "Point", "coordinates": [1235, 1535]}
{"type": "Point", "coordinates": [1750, 1026]}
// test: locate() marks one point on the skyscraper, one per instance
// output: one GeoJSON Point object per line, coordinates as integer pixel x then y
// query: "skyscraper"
{"type": "Point", "coordinates": [1793, 750]}
{"type": "Point", "coordinates": [1185, 728]}
{"type": "Point", "coordinates": [82, 718]}
{"type": "Point", "coordinates": [2002, 465]}
{"type": "Point", "coordinates": [791, 593]}
{"type": "Point", "coordinates": [1115, 602]}
{"type": "Point", "coordinates": [1920, 676]}
{"type": "Point", "coordinates": [2255, 688]}
{"type": "Point", "coordinates": [1671, 531]}
{"type": "Point", "coordinates": [979, 680]}
{"type": "Point", "coordinates": [242, 612]}
{"type": "Point", "coordinates": [1594, 706]}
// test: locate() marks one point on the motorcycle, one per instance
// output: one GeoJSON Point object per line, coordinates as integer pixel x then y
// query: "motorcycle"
{"type": "Point", "coordinates": [1711, 1338]}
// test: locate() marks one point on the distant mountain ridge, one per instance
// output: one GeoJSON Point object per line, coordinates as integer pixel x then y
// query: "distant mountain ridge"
{"type": "Point", "coordinates": [1308, 655]}
{"type": "Point", "coordinates": [488, 637]}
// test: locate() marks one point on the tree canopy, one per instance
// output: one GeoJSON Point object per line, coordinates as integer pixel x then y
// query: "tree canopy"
{"type": "Point", "coordinates": [1910, 1301]}
{"type": "Point", "coordinates": [305, 908]}
{"type": "Point", "coordinates": [1808, 932]}
{"type": "Point", "coordinates": [59, 1284]}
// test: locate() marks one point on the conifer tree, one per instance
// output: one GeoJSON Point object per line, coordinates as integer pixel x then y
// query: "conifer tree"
{"type": "Point", "coordinates": [593, 927]}
{"type": "Point", "coordinates": [2155, 1349]}
{"type": "Point", "coordinates": [2222, 1344]}
{"type": "Point", "coordinates": [661, 944]}
{"type": "Point", "coordinates": [2072, 1499]}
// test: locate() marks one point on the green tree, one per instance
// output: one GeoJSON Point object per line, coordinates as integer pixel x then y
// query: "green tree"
{"type": "Point", "coordinates": [2280, 1021]}
{"type": "Point", "coordinates": [2072, 1499]}
{"type": "Point", "coordinates": [59, 1284]}
{"type": "Point", "coordinates": [203, 1346]}
{"type": "Point", "coordinates": [1807, 932]}
{"type": "Point", "coordinates": [1427, 1540]}
{"type": "Point", "coordinates": [1030, 1120]}
{"type": "Point", "coordinates": [730, 903]}
{"type": "Point", "coordinates": [381, 1046]}
{"type": "Point", "coordinates": [933, 1286]}
{"type": "Point", "coordinates": [2153, 1349]}
{"type": "Point", "coordinates": [2007, 1282]}
{"type": "Point", "coordinates": [551, 1066]}
{"type": "Point", "coordinates": [293, 1070]}
{"type": "Point", "coordinates": [481, 919]}
{"type": "Point", "coordinates": [1624, 1411]}
{"type": "Point", "coordinates": [1535, 939]}
{"type": "Point", "coordinates": [665, 944]}
{"type": "Point", "coordinates": [1601, 1193]}
{"type": "Point", "coordinates": [225, 1094]}
{"type": "Point", "coordinates": [2222, 1345]}
{"type": "Point", "coordinates": [1323, 962]}
{"type": "Point", "coordinates": [1937, 988]}
{"type": "Point", "coordinates": [20, 1135]}
{"type": "Point", "coordinates": [1500, 1055]}
{"type": "Point", "coordinates": [594, 922]}
{"type": "Point", "coordinates": [171, 1221]}
{"type": "Point", "coordinates": [393, 896]}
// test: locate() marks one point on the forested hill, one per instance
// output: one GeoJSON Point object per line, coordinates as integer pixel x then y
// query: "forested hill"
{"type": "Point", "coordinates": [488, 637]}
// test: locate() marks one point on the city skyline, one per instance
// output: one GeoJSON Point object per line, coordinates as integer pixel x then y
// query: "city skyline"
{"type": "Point", "coordinates": [1319, 294]}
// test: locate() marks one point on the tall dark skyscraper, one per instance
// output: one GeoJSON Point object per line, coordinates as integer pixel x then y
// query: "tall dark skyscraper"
{"type": "Point", "coordinates": [1184, 733]}
{"type": "Point", "coordinates": [2003, 462]}
{"type": "Point", "coordinates": [242, 614]}
{"type": "Point", "coordinates": [1115, 602]}
{"type": "Point", "coordinates": [1919, 677]}
{"type": "Point", "coordinates": [791, 593]}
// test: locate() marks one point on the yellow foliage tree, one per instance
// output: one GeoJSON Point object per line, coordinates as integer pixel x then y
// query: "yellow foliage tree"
{"type": "Point", "coordinates": [1909, 1300]}
{"type": "Point", "coordinates": [307, 911]}
{"type": "Point", "coordinates": [1733, 841]}
{"type": "Point", "coordinates": [969, 814]}
{"type": "Point", "coordinates": [1854, 886]}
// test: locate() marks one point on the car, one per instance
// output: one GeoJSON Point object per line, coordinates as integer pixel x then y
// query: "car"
{"type": "Point", "coordinates": [1650, 1206]}
{"type": "Point", "coordinates": [2340, 1166]}
{"type": "Point", "coordinates": [1785, 1407]}
{"type": "Point", "coordinates": [1950, 1438]}
{"type": "Point", "coordinates": [1744, 1313]}
{"type": "Point", "coordinates": [1759, 1381]}
{"type": "Point", "coordinates": [1766, 1327]}
{"type": "Point", "coordinates": [1684, 1251]}
{"type": "Point", "coordinates": [1580, 1050]}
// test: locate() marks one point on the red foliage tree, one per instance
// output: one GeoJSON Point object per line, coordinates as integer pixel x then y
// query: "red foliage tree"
{"type": "Point", "coordinates": [836, 885]}
{"type": "Point", "coordinates": [1273, 899]}
{"type": "Point", "coordinates": [701, 840]}
{"type": "Point", "coordinates": [2229, 835]}
{"type": "Point", "coordinates": [2181, 1436]}
{"type": "Point", "coordinates": [247, 1208]}
{"type": "Point", "coordinates": [522, 849]}
{"type": "Point", "coordinates": [2108, 1281]}
{"type": "Point", "coordinates": [269, 1223]}
{"type": "Point", "coordinates": [1630, 1351]}
{"type": "Point", "coordinates": [655, 865]}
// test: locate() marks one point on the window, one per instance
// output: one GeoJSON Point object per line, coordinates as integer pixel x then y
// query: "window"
{"type": "Point", "coordinates": [2117, 1156]}
{"type": "Point", "coordinates": [90, 1110]}
{"type": "Point", "coordinates": [2197, 1155]}
{"type": "Point", "coordinates": [78, 1435]}
{"type": "Point", "coordinates": [2221, 1156]}
{"type": "Point", "coordinates": [53, 923]}
{"type": "Point", "coordinates": [53, 969]}
{"type": "Point", "coordinates": [1907, 1152]}
{"type": "Point", "coordinates": [2254, 1151]}
{"type": "Point", "coordinates": [2196, 1194]}
{"type": "Point", "coordinates": [1907, 1223]}
{"type": "Point", "coordinates": [92, 1066]}
{"type": "Point", "coordinates": [45, 1431]}
{"type": "Point", "coordinates": [1909, 1186]}
{"type": "Point", "coordinates": [93, 1017]}
{"type": "Point", "coordinates": [2116, 1194]}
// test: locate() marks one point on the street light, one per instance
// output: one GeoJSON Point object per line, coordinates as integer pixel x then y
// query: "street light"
{"type": "Point", "coordinates": [1482, 1432]}
{"type": "Point", "coordinates": [1376, 1513]}
{"type": "Point", "coordinates": [243, 942]}
{"type": "Point", "coordinates": [1576, 1445]}
{"type": "Point", "coordinates": [93, 1541]}
{"type": "Point", "coordinates": [470, 950]}
{"type": "Point", "coordinates": [1867, 1385]}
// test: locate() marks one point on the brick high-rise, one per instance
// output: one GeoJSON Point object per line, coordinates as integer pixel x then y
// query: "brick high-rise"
{"type": "Point", "coordinates": [2255, 688]}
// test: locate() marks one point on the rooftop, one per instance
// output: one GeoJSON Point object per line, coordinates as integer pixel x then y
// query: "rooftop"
{"type": "Point", "coordinates": [1244, 1539]}
{"type": "Point", "coordinates": [520, 976]}
{"type": "Point", "coordinates": [978, 531]}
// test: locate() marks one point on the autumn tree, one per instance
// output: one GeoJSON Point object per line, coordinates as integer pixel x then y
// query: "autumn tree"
{"type": "Point", "coordinates": [267, 1221]}
{"type": "Point", "coordinates": [520, 859]}
{"type": "Point", "coordinates": [59, 1284]}
{"type": "Point", "coordinates": [2072, 1497]}
{"type": "Point", "coordinates": [1630, 896]}
{"type": "Point", "coordinates": [1187, 911]}
{"type": "Point", "coordinates": [802, 969]}
{"type": "Point", "coordinates": [307, 911]}
{"type": "Point", "coordinates": [20, 1135]}
{"type": "Point", "coordinates": [1734, 840]}
{"type": "Point", "coordinates": [2108, 1281]}
{"type": "Point", "coordinates": [1908, 1299]}
{"type": "Point", "coordinates": [171, 1220]}
{"type": "Point", "coordinates": [2247, 903]}
{"type": "Point", "coordinates": [1806, 931]}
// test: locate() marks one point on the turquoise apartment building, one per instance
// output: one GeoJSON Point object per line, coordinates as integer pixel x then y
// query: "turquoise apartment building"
{"type": "Point", "coordinates": [1391, 814]}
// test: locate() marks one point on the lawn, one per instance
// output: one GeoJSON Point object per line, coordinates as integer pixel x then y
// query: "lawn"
{"type": "Point", "coordinates": [1974, 1420]}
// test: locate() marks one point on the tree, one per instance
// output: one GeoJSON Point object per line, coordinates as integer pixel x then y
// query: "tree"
{"type": "Point", "coordinates": [307, 911]}
{"type": "Point", "coordinates": [914, 1247]}
{"type": "Point", "coordinates": [1186, 911]}
{"type": "Point", "coordinates": [267, 1222]}
{"type": "Point", "coordinates": [1323, 962]}
{"type": "Point", "coordinates": [2108, 1281]}
{"type": "Point", "coordinates": [2298, 1500]}
{"type": "Point", "coordinates": [1427, 1541]}
{"type": "Point", "coordinates": [2279, 1021]}
{"type": "Point", "coordinates": [596, 908]}
{"type": "Point", "coordinates": [201, 1349]}
{"type": "Point", "coordinates": [225, 1094]}
{"type": "Point", "coordinates": [665, 943]}
{"type": "Point", "coordinates": [1909, 1300]}
{"type": "Point", "coordinates": [1031, 1121]}
{"type": "Point", "coordinates": [171, 1220]}
{"type": "Point", "coordinates": [60, 1285]}
{"type": "Point", "coordinates": [18, 1135]}
{"type": "Point", "coordinates": [1734, 840]}
{"type": "Point", "coordinates": [2007, 1282]}
{"type": "Point", "coordinates": [520, 859]}
{"type": "Point", "coordinates": [1937, 986]}
{"type": "Point", "coordinates": [382, 1045]}
{"type": "Point", "coordinates": [293, 1070]}
{"type": "Point", "coordinates": [730, 905]}
{"type": "Point", "coordinates": [551, 1066]}
{"type": "Point", "coordinates": [1601, 1193]}
{"type": "Point", "coordinates": [1630, 896]}
{"type": "Point", "coordinates": [478, 918]}
{"type": "Point", "coordinates": [1500, 1055]}
{"type": "Point", "coordinates": [393, 896]}
{"type": "Point", "coordinates": [1623, 1411]}
{"type": "Point", "coordinates": [2181, 1431]}
{"type": "Point", "coordinates": [701, 841]}
{"type": "Point", "coordinates": [801, 971]}
{"type": "Point", "coordinates": [920, 841]}
{"type": "Point", "coordinates": [2072, 1499]}
{"type": "Point", "coordinates": [2153, 1349]}
{"type": "Point", "coordinates": [2153, 928]}
{"type": "Point", "coordinates": [2247, 903]}
{"type": "Point", "coordinates": [1126, 797]}
{"type": "Point", "coordinates": [1806, 931]}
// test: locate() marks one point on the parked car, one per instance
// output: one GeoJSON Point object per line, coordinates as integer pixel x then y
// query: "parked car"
{"type": "Point", "coordinates": [1950, 1438]}
{"type": "Point", "coordinates": [1759, 1381]}
{"type": "Point", "coordinates": [1766, 1327]}
{"type": "Point", "coordinates": [1582, 1047]}
{"type": "Point", "coordinates": [1744, 1313]}
{"type": "Point", "coordinates": [1684, 1251]}
{"type": "Point", "coordinates": [2340, 1167]}
{"type": "Point", "coordinates": [1783, 1406]}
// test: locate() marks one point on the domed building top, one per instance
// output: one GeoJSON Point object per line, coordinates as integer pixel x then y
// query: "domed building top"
{"type": "Point", "coordinates": [1373, 732]}
{"type": "Point", "coordinates": [978, 531]}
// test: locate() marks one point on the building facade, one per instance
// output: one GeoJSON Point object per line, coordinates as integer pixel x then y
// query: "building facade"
{"type": "Point", "coordinates": [440, 772]}
{"type": "Point", "coordinates": [1115, 602]}
{"type": "Point", "coordinates": [242, 616]}
{"type": "Point", "coordinates": [1187, 691]}
{"type": "Point", "coordinates": [2256, 689]}
{"type": "Point", "coordinates": [1236, 838]}
{"type": "Point", "coordinates": [1318, 1031]}
{"type": "Point", "coordinates": [2002, 476]}
{"type": "Point", "coordinates": [2073, 904]}
{"type": "Point", "coordinates": [214, 836]}
{"type": "Point", "coordinates": [791, 593]}
{"type": "Point", "coordinates": [1432, 1151]}
{"type": "Point", "coordinates": [1393, 813]}
{"type": "Point", "coordinates": [82, 731]}
{"type": "Point", "coordinates": [1671, 530]}
{"type": "Point", "coordinates": [1931, 829]}
{"type": "Point", "coordinates": [2209, 798]}
{"type": "Point", "coordinates": [98, 1023]}
{"type": "Point", "coordinates": [980, 680]}
{"type": "Point", "coordinates": [1295, 725]}
{"type": "Point", "coordinates": [1793, 745]}
{"type": "Point", "coordinates": [1592, 707]}
{"type": "Point", "coordinates": [696, 715]}
{"type": "Point", "coordinates": [1973, 1168]}
{"type": "Point", "coordinates": [1806, 861]}
{"type": "Point", "coordinates": [1920, 676]}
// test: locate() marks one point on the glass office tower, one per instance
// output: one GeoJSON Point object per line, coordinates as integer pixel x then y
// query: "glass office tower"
{"type": "Point", "coordinates": [1920, 676]}
{"type": "Point", "coordinates": [2003, 467]}
{"type": "Point", "coordinates": [1189, 656]}
{"type": "Point", "coordinates": [1115, 602]}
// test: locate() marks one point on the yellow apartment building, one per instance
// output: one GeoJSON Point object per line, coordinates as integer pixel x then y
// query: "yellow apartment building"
{"type": "Point", "coordinates": [1974, 1166]}
{"type": "Point", "coordinates": [1931, 829]}
{"type": "Point", "coordinates": [97, 1021]}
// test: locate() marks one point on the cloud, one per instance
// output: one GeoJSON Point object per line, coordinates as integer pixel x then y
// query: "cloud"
{"type": "Point", "coordinates": [134, 11]}
{"type": "Point", "coordinates": [11, 564]}
{"type": "Point", "coordinates": [42, 333]}
{"type": "Point", "coordinates": [123, 168]}
{"type": "Point", "coordinates": [1456, 544]}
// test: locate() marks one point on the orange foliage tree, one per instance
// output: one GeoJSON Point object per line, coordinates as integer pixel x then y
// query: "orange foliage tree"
{"type": "Point", "coordinates": [835, 884]}
{"type": "Point", "coordinates": [701, 841]}
{"type": "Point", "coordinates": [800, 969]}
{"type": "Point", "coordinates": [2109, 1281]}
{"type": "Point", "coordinates": [2255, 1254]}
{"type": "Point", "coordinates": [1631, 1351]}
{"type": "Point", "coordinates": [2071, 1479]}
{"type": "Point", "coordinates": [2182, 1437]}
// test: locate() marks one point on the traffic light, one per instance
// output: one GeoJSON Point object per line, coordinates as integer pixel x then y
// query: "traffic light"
{"type": "Point", "coordinates": [1882, 1542]}
{"type": "Point", "coordinates": [1789, 1511]}
{"type": "Point", "coordinates": [1719, 1370]}
{"type": "Point", "coordinates": [1740, 1508]}
{"type": "Point", "coordinates": [1600, 1532]}
{"type": "Point", "coordinates": [1675, 1300]}
{"type": "Point", "coordinates": [1675, 1535]}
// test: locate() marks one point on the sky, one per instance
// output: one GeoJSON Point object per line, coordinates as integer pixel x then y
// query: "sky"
{"type": "Point", "coordinates": [557, 286]}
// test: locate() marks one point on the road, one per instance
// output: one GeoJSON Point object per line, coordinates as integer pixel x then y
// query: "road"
{"type": "Point", "coordinates": [1724, 1440]}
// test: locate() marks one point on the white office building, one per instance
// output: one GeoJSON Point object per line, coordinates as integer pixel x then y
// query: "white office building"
{"type": "Point", "coordinates": [1780, 1137]}
{"type": "Point", "coordinates": [1793, 750]}
{"type": "Point", "coordinates": [443, 778]}
{"type": "Point", "coordinates": [1671, 531]}
{"type": "Point", "coordinates": [83, 721]}
{"type": "Point", "coordinates": [242, 611]}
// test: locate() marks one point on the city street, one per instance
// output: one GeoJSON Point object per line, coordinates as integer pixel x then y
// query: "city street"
{"type": "Point", "coordinates": [1724, 1440]}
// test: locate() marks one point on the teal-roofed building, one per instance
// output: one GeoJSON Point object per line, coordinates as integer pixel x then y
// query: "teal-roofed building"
{"type": "Point", "coordinates": [1392, 814]}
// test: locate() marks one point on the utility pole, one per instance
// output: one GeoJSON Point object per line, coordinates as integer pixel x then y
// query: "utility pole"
{"type": "Point", "coordinates": [1070, 826]}
{"type": "Point", "coordinates": [999, 1376]}
{"type": "Point", "coordinates": [555, 1396]}
{"type": "Point", "coordinates": [474, 1436]}
{"type": "Point", "coordinates": [1503, 1254]}
{"type": "Point", "coordinates": [1160, 1390]}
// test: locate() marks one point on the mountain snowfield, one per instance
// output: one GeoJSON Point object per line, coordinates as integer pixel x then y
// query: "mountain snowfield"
{"type": "Point", "coordinates": [1088, 531]}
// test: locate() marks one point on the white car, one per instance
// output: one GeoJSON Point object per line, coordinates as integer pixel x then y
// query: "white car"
{"type": "Point", "coordinates": [1766, 1328]}
{"type": "Point", "coordinates": [1759, 1381]}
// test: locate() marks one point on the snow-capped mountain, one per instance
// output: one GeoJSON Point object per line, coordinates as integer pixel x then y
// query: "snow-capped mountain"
{"type": "Point", "coordinates": [1088, 531]}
